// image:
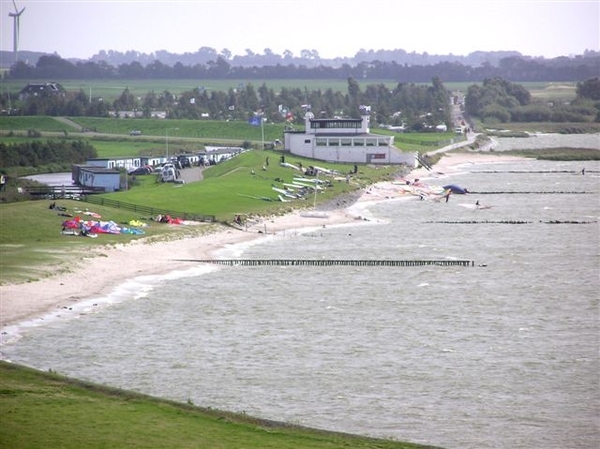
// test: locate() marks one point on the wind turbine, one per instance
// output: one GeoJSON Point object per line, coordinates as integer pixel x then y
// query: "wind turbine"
{"type": "Point", "coordinates": [16, 16]}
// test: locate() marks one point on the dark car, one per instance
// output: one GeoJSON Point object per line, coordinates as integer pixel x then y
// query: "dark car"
{"type": "Point", "coordinates": [184, 161]}
{"type": "Point", "coordinates": [146, 170]}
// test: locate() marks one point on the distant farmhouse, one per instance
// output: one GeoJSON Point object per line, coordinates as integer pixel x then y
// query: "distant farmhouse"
{"type": "Point", "coordinates": [345, 140]}
{"type": "Point", "coordinates": [41, 90]}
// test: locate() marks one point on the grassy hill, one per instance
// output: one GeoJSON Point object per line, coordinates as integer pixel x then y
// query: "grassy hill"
{"type": "Point", "coordinates": [45, 410]}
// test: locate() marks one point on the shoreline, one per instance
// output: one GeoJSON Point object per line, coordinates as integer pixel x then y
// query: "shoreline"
{"type": "Point", "coordinates": [111, 267]}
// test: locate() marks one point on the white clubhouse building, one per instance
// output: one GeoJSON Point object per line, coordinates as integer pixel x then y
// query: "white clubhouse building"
{"type": "Point", "coordinates": [345, 140]}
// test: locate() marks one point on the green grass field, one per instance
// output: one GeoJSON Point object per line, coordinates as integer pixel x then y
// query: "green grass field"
{"type": "Point", "coordinates": [204, 129]}
{"type": "Point", "coordinates": [45, 410]}
{"type": "Point", "coordinates": [110, 90]}
{"type": "Point", "coordinates": [111, 135]}
{"type": "Point", "coordinates": [39, 123]}
{"type": "Point", "coordinates": [33, 246]}
{"type": "Point", "coordinates": [241, 184]}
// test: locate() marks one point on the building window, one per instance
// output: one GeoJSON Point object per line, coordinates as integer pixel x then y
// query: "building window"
{"type": "Point", "coordinates": [334, 142]}
{"type": "Point", "coordinates": [336, 124]}
{"type": "Point", "coordinates": [359, 142]}
{"type": "Point", "coordinates": [346, 142]}
{"type": "Point", "coordinates": [306, 140]}
{"type": "Point", "coordinates": [321, 142]}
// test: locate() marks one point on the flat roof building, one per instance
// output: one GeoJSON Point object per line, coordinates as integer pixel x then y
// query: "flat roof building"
{"type": "Point", "coordinates": [345, 140]}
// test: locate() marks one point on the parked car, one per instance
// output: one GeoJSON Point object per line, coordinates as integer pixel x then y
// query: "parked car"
{"type": "Point", "coordinates": [175, 161]}
{"type": "Point", "coordinates": [169, 173]}
{"type": "Point", "coordinates": [145, 170]}
{"type": "Point", "coordinates": [135, 132]}
{"type": "Point", "coordinates": [184, 161]}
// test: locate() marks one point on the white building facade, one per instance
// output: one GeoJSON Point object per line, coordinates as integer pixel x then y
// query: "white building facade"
{"type": "Point", "coordinates": [96, 177]}
{"type": "Point", "coordinates": [345, 140]}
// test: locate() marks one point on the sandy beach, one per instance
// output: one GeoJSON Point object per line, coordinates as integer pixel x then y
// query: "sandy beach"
{"type": "Point", "coordinates": [112, 266]}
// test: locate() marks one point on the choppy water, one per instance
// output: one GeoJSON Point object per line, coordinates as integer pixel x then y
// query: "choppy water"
{"type": "Point", "coordinates": [504, 355]}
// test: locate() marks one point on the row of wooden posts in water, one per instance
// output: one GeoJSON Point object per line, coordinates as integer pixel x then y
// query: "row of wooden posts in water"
{"type": "Point", "coordinates": [336, 262]}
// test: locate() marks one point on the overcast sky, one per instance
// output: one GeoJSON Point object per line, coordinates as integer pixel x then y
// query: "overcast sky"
{"type": "Point", "coordinates": [81, 28]}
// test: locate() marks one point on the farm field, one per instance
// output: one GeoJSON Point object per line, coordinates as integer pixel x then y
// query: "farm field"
{"type": "Point", "coordinates": [109, 90]}
{"type": "Point", "coordinates": [111, 136]}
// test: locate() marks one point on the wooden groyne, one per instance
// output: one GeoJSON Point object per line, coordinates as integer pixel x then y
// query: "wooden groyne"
{"type": "Point", "coordinates": [333, 262]}
{"type": "Point", "coordinates": [576, 172]}
{"type": "Point", "coordinates": [526, 192]}
{"type": "Point", "coordinates": [512, 222]}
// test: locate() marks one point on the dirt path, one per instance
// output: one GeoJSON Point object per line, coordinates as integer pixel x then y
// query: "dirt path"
{"type": "Point", "coordinates": [68, 122]}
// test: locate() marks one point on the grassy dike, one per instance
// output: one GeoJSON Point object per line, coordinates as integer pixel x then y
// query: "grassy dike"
{"type": "Point", "coordinates": [45, 410]}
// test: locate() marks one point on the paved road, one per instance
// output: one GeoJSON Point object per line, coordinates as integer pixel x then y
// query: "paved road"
{"type": "Point", "coordinates": [193, 174]}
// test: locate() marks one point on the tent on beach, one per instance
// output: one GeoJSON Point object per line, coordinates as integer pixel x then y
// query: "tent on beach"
{"type": "Point", "coordinates": [456, 189]}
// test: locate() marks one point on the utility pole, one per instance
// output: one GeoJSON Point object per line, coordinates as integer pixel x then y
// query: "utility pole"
{"type": "Point", "coordinates": [262, 130]}
{"type": "Point", "coordinates": [167, 142]}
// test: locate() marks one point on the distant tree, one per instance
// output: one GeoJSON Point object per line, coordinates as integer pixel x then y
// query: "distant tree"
{"type": "Point", "coordinates": [219, 68]}
{"type": "Point", "coordinates": [133, 70]}
{"type": "Point", "coordinates": [21, 70]}
{"type": "Point", "coordinates": [495, 98]}
{"type": "Point", "coordinates": [53, 67]}
{"type": "Point", "coordinates": [306, 54]}
{"type": "Point", "coordinates": [126, 101]}
{"type": "Point", "coordinates": [248, 98]}
{"type": "Point", "coordinates": [207, 54]}
{"type": "Point", "coordinates": [370, 64]}
{"type": "Point", "coordinates": [38, 153]}
{"type": "Point", "coordinates": [589, 88]}
{"type": "Point", "coordinates": [226, 54]}
{"type": "Point", "coordinates": [354, 97]}
{"type": "Point", "coordinates": [158, 70]}
{"type": "Point", "coordinates": [97, 108]}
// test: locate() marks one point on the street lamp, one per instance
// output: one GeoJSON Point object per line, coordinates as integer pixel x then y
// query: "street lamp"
{"type": "Point", "coordinates": [167, 142]}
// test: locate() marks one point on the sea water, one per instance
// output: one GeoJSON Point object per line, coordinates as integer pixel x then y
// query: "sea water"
{"type": "Point", "coordinates": [501, 354]}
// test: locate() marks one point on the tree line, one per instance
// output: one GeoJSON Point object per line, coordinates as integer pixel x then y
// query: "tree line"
{"type": "Point", "coordinates": [499, 101]}
{"type": "Point", "coordinates": [418, 107]}
{"type": "Point", "coordinates": [37, 153]}
{"type": "Point", "coordinates": [53, 67]}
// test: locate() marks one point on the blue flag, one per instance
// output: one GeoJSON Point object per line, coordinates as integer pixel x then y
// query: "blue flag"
{"type": "Point", "coordinates": [255, 121]}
